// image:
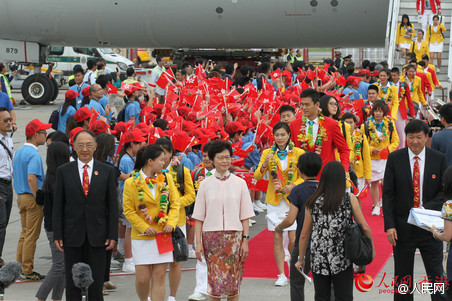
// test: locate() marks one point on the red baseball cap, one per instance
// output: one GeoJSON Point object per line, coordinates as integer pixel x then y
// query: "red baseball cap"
{"type": "Point", "coordinates": [70, 94]}
{"type": "Point", "coordinates": [120, 127]}
{"type": "Point", "coordinates": [364, 72]}
{"type": "Point", "coordinates": [131, 89]}
{"type": "Point", "coordinates": [35, 126]}
{"type": "Point", "coordinates": [234, 127]}
{"type": "Point", "coordinates": [376, 73]}
{"type": "Point", "coordinates": [86, 92]}
{"type": "Point", "coordinates": [73, 133]}
{"type": "Point", "coordinates": [98, 126]}
{"type": "Point", "coordinates": [82, 114]}
{"type": "Point", "coordinates": [134, 136]}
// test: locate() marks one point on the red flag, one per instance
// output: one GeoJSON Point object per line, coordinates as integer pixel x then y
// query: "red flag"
{"type": "Point", "coordinates": [191, 82]}
{"type": "Point", "coordinates": [281, 177]}
{"type": "Point", "coordinates": [165, 78]}
{"type": "Point", "coordinates": [199, 72]}
{"type": "Point", "coordinates": [171, 94]}
{"type": "Point", "coordinates": [341, 81]}
{"type": "Point", "coordinates": [276, 74]}
{"type": "Point", "coordinates": [321, 73]}
{"type": "Point", "coordinates": [326, 66]}
{"type": "Point", "coordinates": [311, 74]}
{"type": "Point", "coordinates": [112, 89]}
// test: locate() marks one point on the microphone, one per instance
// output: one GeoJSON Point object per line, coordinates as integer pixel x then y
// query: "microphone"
{"type": "Point", "coordinates": [8, 275]}
{"type": "Point", "coordinates": [82, 276]}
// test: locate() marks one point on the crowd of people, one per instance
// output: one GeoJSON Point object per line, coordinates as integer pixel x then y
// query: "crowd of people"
{"type": "Point", "coordinates": [196, 149]}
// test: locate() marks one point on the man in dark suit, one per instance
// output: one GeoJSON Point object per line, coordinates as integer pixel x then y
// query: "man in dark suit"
{"type": "Point", "coordinates": [85, 214]}
{"type": "Point", "coordinates": [413, 178]}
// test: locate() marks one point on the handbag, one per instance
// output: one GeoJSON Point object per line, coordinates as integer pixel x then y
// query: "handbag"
{"type": "Point", "coordinates": [358, 247]}
{"type": "Point", "coordinates": [180, 245]}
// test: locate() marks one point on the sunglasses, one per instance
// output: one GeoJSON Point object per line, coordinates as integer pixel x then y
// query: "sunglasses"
{"type": "Point", "coordinates": [5, 120]}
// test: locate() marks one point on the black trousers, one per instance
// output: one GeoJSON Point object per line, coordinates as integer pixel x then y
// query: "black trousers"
{"type": "Point", "coordinates": [432, 256]}
{"type": "Point", "coordinates": [296, 279]}
{"type": "Point", "coordinates": [95, 258]}
{"type": "Point", "coordinates": [342, 285]}
{"type": "Point", "coordinates": [6, 203]}
{"type": "Point", "coordinates": [107, 265]}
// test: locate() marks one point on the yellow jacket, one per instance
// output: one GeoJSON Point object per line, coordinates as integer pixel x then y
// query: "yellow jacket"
{"type": "Point", "coordinates": [361, 161]}
{"type": "Point", "coordinates": [348, 139]}
{"type": "Point", "coordinates": [130, 205]}
{"type": "Point", "coordinates": [391, 98]}
{"type": "Point", "coordinates": [390, 145]}
{"type": "Point", "coordinates": [271, 197]}
{"type": "Point", "coordinates": [435, 37]}
{"type": "Point", "coordinates": [401, 30]}
{"type": "Point", "coordinates": [417, 95]}
{"type": "Point", "coordinates": [189, 193]}
{"type": "Point", "coordinates": [419, 52]}
{"type": "Point", "coordinates": [429, 76]}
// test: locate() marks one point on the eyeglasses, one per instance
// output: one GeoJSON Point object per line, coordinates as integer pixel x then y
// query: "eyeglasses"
{"type": "Point", "coordinates": [334, 104]}
{"type": "Point", "coordinates": [5, 120]}
{"type": "Point", "coordinates": [82, 146]}
{"type": "Point", "coordinates": [41, 132]}
{"type": "Point", "coordinates": [225, 158]}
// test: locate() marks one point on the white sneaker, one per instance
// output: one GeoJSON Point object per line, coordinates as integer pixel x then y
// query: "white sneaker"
{"type": "Point", "coordinates": [257, 208]}
{"type": "Point", "coordinates": [252, 221]}
{"type": "Point", "coordinates": [376, 210]}
{"type": "Point", "coordinates": [261, 205]}
{"type": "Point", "coordinates": [170, 298]}
{"type": "Point", "coordinates": [438, 70]}
{"type": "Point", "coordinates": [282, 280]}
{"type": "Point", "coordinates": [191, 253]}
{"type": "Point", "coordinates": [128, 268]}
{"type": "Point", "coordinates": [197, 296]}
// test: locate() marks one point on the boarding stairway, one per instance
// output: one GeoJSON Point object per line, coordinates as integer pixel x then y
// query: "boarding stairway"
{"type": "Point", "coordinates": [399, 7]}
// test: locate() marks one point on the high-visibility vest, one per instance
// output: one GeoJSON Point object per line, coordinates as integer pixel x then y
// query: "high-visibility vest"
{"type": "Point", "coordinates": [299, 58]}
{"type": "Point", "coordinates": [8, 87]}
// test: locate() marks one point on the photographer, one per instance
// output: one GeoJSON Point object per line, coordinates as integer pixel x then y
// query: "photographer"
{"type": "Point", "coordinates": [442, 140]}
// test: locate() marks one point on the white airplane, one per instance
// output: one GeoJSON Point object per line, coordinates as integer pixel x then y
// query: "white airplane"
{"type": "Point", "coordinates": [29, 27]}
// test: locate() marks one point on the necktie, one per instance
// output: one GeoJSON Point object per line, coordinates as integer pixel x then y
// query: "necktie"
{"type": "Point", "coordinates": [208, 174]}
{"type": "Point", "coordinates": [416, 184]}
{"type": "Point", "coordinates": [310, 134]}
{"type": "Point", "coordinates": [282, 154]}
{"type": "Point", "coordinates": [85, 179]}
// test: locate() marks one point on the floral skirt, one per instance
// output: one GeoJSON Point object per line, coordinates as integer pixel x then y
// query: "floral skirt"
{"type": "Point", "coordinates": [224, 265]}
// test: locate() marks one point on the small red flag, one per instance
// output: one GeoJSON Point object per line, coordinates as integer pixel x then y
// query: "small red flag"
{"type": "Point", "coordinates": [276, 74]}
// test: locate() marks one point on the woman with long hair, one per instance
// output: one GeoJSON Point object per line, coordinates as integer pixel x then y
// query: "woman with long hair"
{"type": "Point", "coordinates": [387, 92]}
{"type": "Point", "coordinates": [151, 205]}
{"type": "Point", "coordinates": [222, 211]}
{"type": "Point", "coordinates": [328, 212]}
{"type": "Point", "coordinates": [435, 38]}
{"type": "Point", "coordinates": [405, 34]}
{"type": "Point", "coordinates": [383, 139]}
{"type": "Point", "coordinates": [281, 162]}
{"type": "Point", "coordinates": [57, 154]}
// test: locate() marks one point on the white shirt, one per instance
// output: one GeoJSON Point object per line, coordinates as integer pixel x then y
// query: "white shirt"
{"type": "Point", "coordinates": [315, 128]}
{"type": "Point", "coordinates": [283, 162]}
{"type": "Point", "coordinates": [421, 161]}
{"type": "Point", "coordinates": [81, 169]}
{"type": "Point", "coordinates": [6, 163]}
{"type": "Point", "coordinates": [211, 171]}
{"type": "Point", "coordinates": [89, 78]}
{"type": "Point", "coordinates": [153, 190]}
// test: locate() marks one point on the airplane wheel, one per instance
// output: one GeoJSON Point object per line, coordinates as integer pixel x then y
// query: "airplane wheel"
{"type": "Point", "coordinates": [55, 88]}
{"type": "Point", "coordinates": [37, 89]}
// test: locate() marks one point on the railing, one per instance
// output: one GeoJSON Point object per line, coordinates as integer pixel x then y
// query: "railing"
{"type": "Point", "coordinates": [449, 68]}
{"type": "Point", "coordinates": [391, 30]}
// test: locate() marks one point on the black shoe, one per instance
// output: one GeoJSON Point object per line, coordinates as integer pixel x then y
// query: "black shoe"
{"type": "Point", "coordinates": [33, 276]}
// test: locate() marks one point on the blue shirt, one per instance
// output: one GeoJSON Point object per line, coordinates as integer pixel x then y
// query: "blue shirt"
{"type": "Point", "coordinates": [194, 158]}
{"type": "Point", "coordinates": [79, 91]}
{"type": "Point", "coordinates": [104, 101]}
{"type": "Point", "coordinates": [355, 94]}
{"type": "Point", "coordinates": [248, 137]}
{"type": "Point", "coordinates": [5, 102]}
{"type": "Point", "coordinates": [442, 142]}
{"type": "Point", "coordinates": [362, 90]}
{"type": "Point", "coordinates": [132, 110]}
{"type": "Point", "coordinates": [298, 197]}
{"type": "Point", "coordinates": [97, 106]}
{"type": "Point", "coordinates": [126, 166]}
{"type": "Point", "coordinates": [186, 161]}
{"type": "Point", "coordinates": [27, 161]}
{"type": "Point", "coordinates": [62, 120]}
{"type": "Point", "coordinates": [254, 157]}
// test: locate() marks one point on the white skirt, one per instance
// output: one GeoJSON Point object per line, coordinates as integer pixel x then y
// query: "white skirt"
{"type": "Point", "coordinates": [281, 211]}
{"type": "Point", "coordinates": [145, 251]}
{"type": "Point", "coordinates": [435, 47]}
{"type": "Point", "coordinates": [378, 169]}
{"type": "Point", "coordinates": [405, 45]}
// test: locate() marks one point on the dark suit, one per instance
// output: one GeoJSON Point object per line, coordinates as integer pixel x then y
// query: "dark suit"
{"type": "Point", "coordinates": [398, 197]}
{"type": "Point", "coordinates": [85, 223]}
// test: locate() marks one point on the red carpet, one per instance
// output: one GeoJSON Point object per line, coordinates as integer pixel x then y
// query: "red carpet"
{"type": "Point", "coordinates": [261, 262]}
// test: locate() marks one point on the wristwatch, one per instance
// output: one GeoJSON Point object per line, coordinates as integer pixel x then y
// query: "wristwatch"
{"type": "Point", "coordinates": [246, 236]}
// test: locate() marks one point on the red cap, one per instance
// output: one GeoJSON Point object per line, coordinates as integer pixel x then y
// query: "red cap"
{"type": "Point", "coordinates": [86, 92]}
{"type": "Point", "coordinates": [98, 126]}
{"type": "Point", "coordinates": [120, 127]}
{"type": "Point", "coordinates": [82, 114]}
{"type": "Point", "coordinates": [133, 88]}
{"type": "Point", "coordinates": [73, 133]}
{"type": "Point", "coordinates": [354, 80]}
{"type": "Point", "coordinates": [183, 111]}
{"type": "Point", "coordinates": [234, 127]}
{"type": "Point", "coordinates": [376, 73]}
{"type": "Point", "coordinates": [35, 126]}
{"type": "Point", "coordinates": [364, 72]}
{"type": "Point", "coordinates": [134, 136]}
{"type": "Point", "coordinates": [70, 94]}
{"type": "Point", "coordinates": [181, 141]}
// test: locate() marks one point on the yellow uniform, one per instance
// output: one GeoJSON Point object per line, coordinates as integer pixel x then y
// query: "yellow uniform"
{"type": "Point", "coordinates": [389, 140]}
{"type": "Point", "coordinates": [189, 192]}
{"type": "Point", "coordinates": [292, 159]}
{"type": "Point", "coordinates": [401, 30]}
{"type": "Point", "coordinates": [361, 155]}
{"type": "Point", "coordinates": [429, 76]}
{"type": "Point", "coordinates": [132, 186]}
{"type": "Point", "coordinates": [390, 96]}
{"type": "Point", "coordinates": [435, 37]}
{"type": "Point", "coordinates": [419, 50]}
{"type": "Point", "coordinates": [348, 139]}
{"type": "Point", "coordinates": [415, 88]}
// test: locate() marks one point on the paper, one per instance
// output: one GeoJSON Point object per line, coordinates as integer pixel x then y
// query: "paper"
{"type": "Point", "coordinates": [306, 276]}
{"type": "Point", "coordinates": [425, 218]}
{"type": "Point", "coordinates": [164, 242]}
